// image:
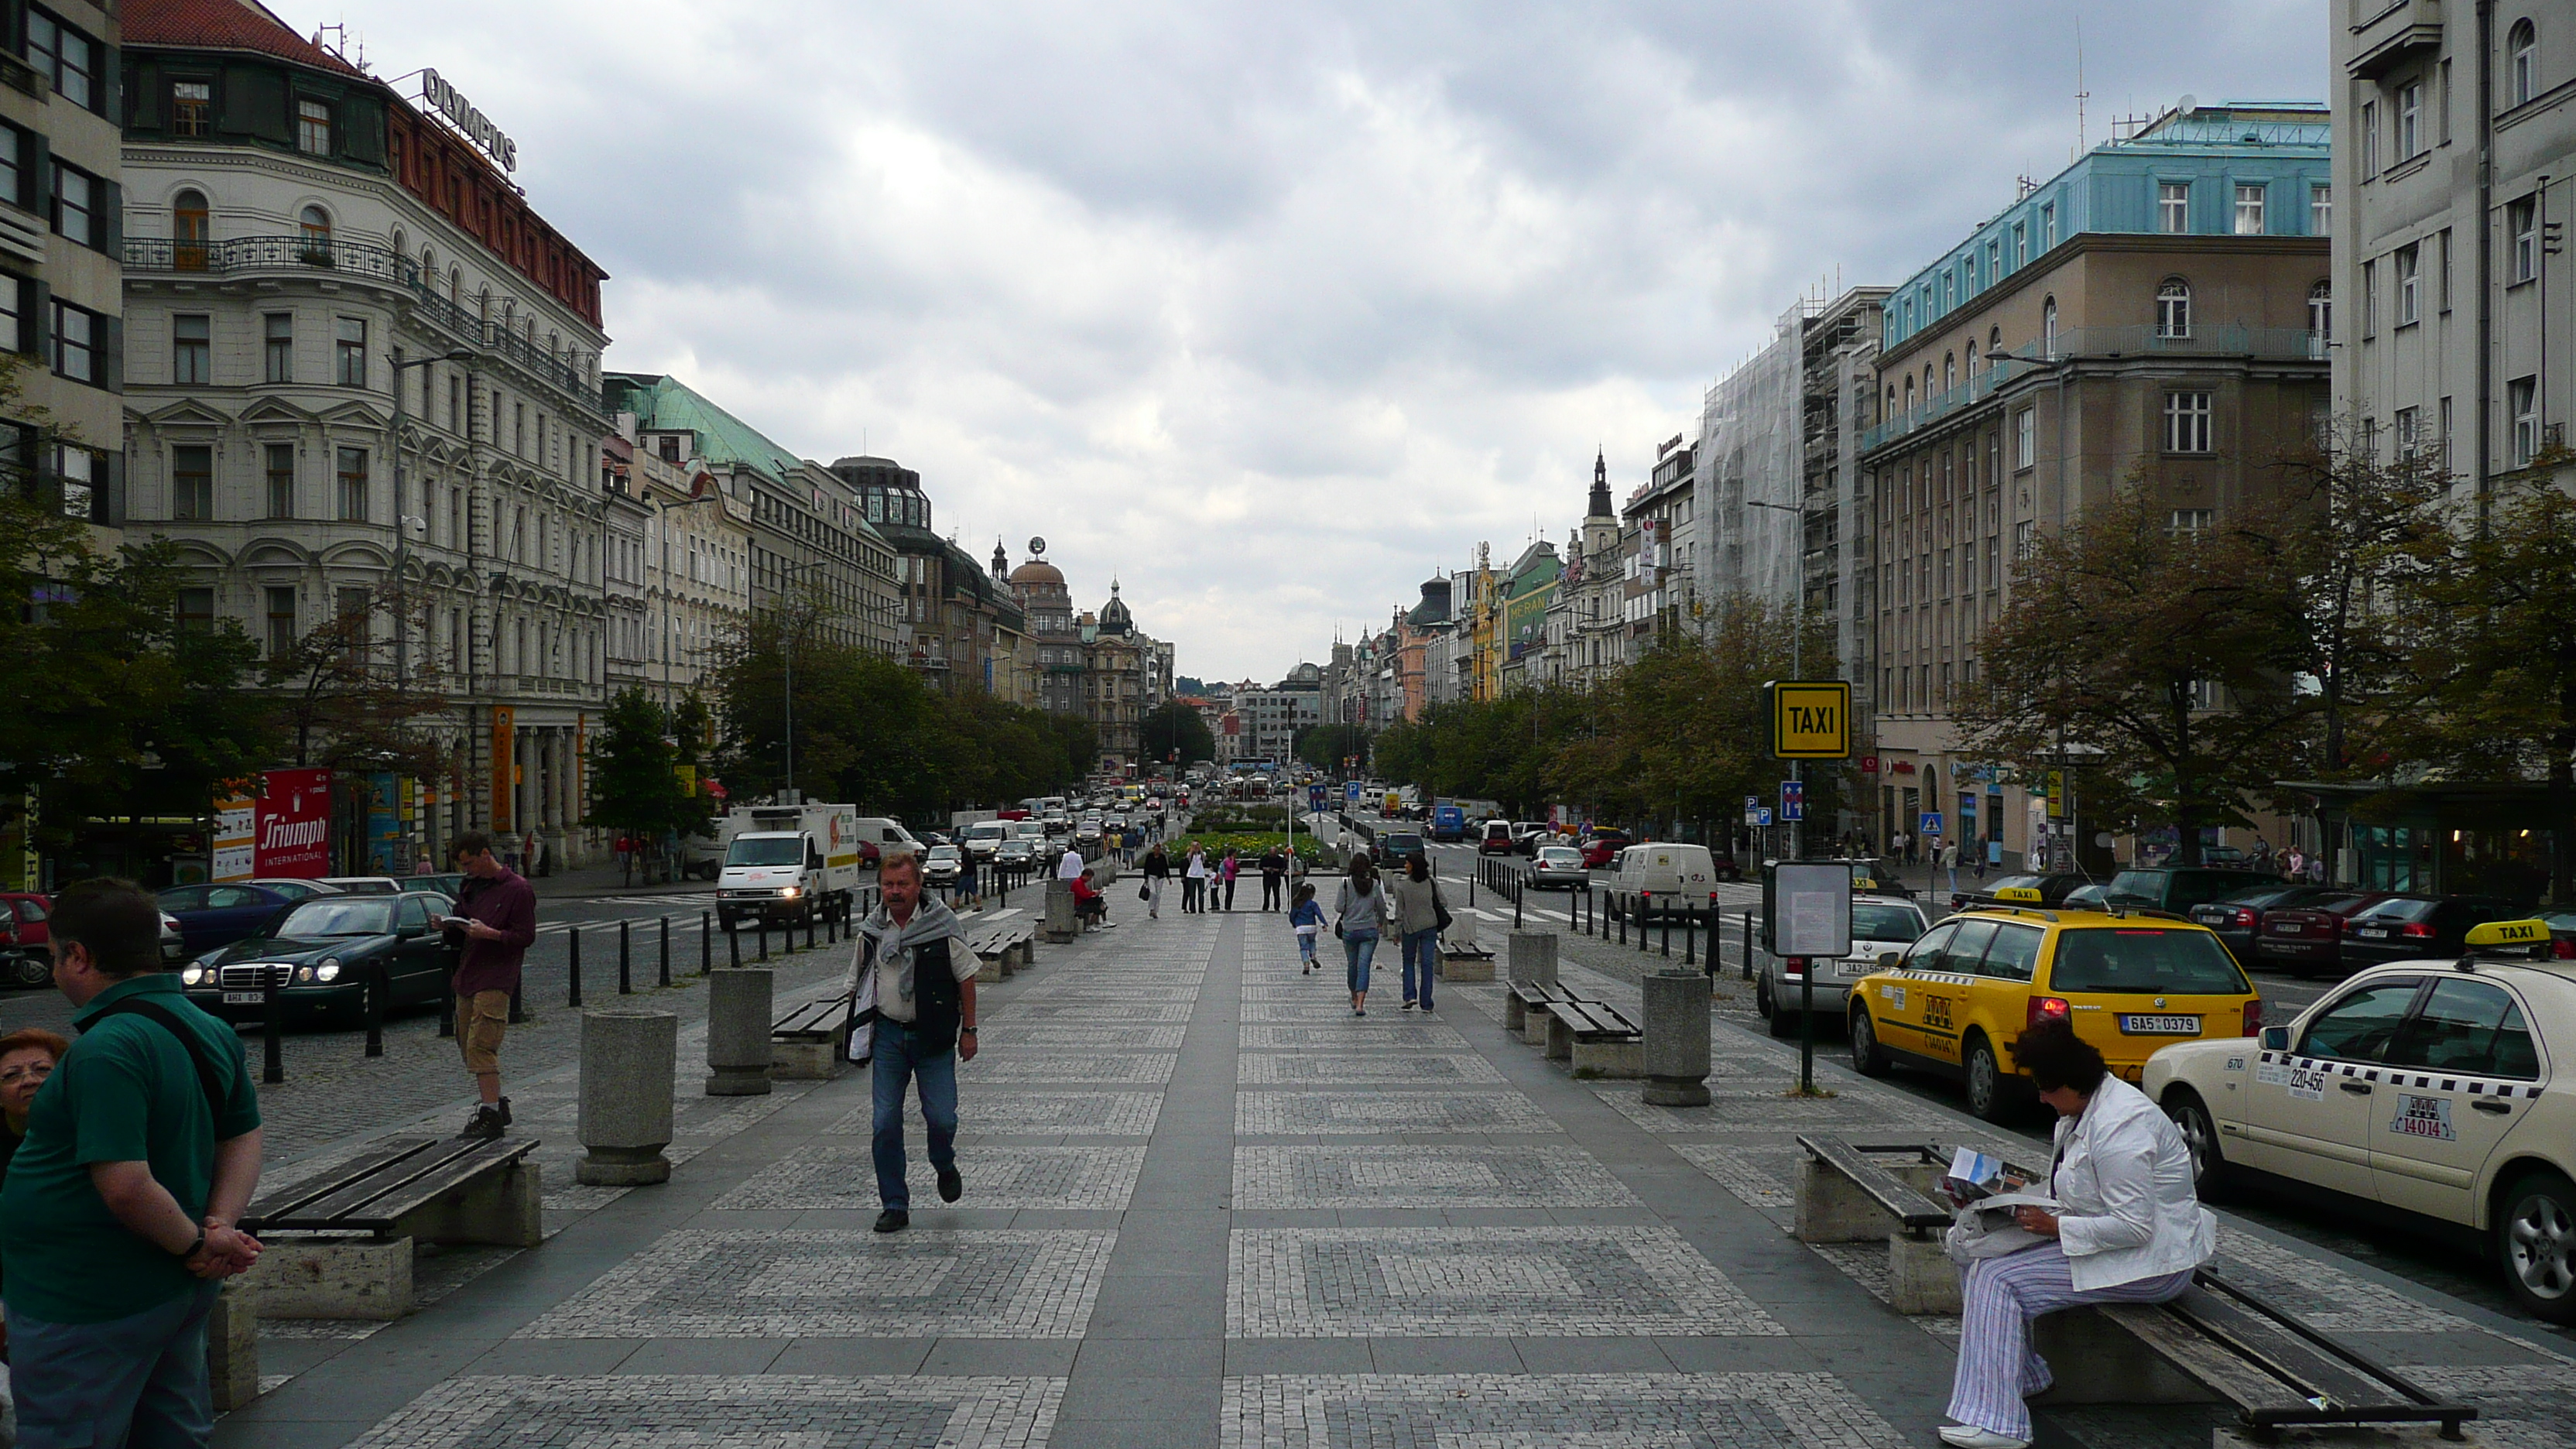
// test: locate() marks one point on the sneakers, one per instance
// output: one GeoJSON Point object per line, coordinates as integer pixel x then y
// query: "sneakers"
{"type": "Point", "coordinates": [1408, 1006]}
{"type": "Point", "coordinates": [1964, 1436]}
{"type": "Point", "coordinates": [505, 1111]}
{"type": "Point", "coordinates": [485, 1125]}
{"type": "Point", "coordinates": [893, 1220]}
{"type": "Point", "coordinates": [951, 1186]}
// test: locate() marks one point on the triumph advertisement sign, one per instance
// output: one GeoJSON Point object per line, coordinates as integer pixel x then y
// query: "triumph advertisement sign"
{"type": "Point", "coordinates": [283, 830]}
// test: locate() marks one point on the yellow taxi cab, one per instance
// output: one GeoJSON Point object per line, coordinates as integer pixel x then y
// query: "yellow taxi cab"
{"type": "Point", "coordinates": [2133, 983]}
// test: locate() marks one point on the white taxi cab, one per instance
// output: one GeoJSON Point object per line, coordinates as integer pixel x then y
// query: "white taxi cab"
{"type": "Point", "coordinates": [2419, 1086]}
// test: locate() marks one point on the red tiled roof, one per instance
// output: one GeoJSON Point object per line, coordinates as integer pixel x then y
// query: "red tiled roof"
{"type": "Point", "coordinates": [223, 25]}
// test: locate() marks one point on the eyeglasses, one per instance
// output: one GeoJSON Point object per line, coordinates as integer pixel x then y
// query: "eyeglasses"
{"type": "Point", "coordinates": [35, 1071]}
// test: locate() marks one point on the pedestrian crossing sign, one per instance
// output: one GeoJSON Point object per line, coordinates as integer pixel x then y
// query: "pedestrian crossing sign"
{"type": "Point", "coordinates": [1810, 719]}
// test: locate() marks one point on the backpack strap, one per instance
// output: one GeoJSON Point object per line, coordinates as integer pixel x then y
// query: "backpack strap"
{"type": "Point", "coordinates": [207, 1077]}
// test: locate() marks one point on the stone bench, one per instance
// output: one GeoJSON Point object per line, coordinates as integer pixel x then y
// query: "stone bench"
{"type": "Point", "coordinates": [1519, 1003]}
{"type": "Point", "coordinates": [1594, 1040]}
{"type": "Point", "coordinates": [1858, 1193]}
{"type": "Point", "coordinates": [1004, 950]}
{"type": "Point", "coordinates": [339, 1245]}
{"type": "Point", "coordinates": [811, 1043]}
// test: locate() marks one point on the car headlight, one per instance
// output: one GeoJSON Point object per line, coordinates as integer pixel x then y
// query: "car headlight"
{"type": "Point", "coordinates": [303, 976]}
{"type": "Point", "coordinates": [787, 892]}
{"type": "Point", "coordinates": [193, 976]}
{"type": "Point", "coordinates": [329, 970]}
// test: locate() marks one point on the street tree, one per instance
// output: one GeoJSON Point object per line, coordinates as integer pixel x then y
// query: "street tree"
{"type": "Point", "coordinates": [1175, 729]}
{"type": "Point", "coordinates": [1326, 746]}
{"type": "Point", "coordinates": [343, 703]}
{"type": "Point", "coordinates": [636, 785]}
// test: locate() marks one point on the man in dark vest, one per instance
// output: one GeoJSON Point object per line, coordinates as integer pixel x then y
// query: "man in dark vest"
{"type": "Point", "coordinates": [925, 1021]}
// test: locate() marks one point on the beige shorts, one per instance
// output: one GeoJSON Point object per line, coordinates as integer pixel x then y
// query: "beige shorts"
{"type": "Point", "coordinates": [480, 1020]}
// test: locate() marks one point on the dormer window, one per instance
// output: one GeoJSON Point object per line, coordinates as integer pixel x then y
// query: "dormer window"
{"type": "Point", "coordinates": [192, 108]}
{"type": "Point", "coordinates": [313, 127]}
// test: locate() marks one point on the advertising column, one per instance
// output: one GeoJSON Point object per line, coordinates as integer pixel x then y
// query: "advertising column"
{"type": "Point", "coordinates": [505, 769]}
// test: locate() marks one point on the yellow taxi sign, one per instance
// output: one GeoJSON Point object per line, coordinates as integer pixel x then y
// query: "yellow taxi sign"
{"type": "Point", "coordinates": [1810, 718]}
{"type": "Point", "coordinates": [2509, 933]}
{"type": "Point", "coordinates": [2019, 895]}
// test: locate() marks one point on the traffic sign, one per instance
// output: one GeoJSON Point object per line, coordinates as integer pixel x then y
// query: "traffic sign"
{"type": "Point", "coordinates": [1351, 791]}
{"type": "Point", "coordinates": [1793, 800]}
{"type": "Point", "coordinates": [1314, 797]}
{"type": "Point", "coordinates": [1931, 822]}
{"type": "Point", "coordinates": [1810, 719]}
{"type": "Point", "coordinates": [1764, 815]}
{"type": "Point", "coordinates": [1752, 809]}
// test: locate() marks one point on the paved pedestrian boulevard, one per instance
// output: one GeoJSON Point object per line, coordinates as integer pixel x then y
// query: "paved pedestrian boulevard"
{"type": "Point", "coordinates": [1207, 1206]}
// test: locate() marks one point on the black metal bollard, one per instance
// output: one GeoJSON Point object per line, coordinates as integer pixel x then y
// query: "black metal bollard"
{"type": "Point", "coordinates": [1620, 916]}
{"type": "Point", "coordinates": [809, 930]}
{"type": "Point", "coordinates": [1668, 932]}
{"type": "Point", "coordinates": [1519, 885]}
{"type": "Point", "coordinates": [1645, 919]}
{"type": "Point", "coordinates": [706, 943]}
{"type": "Point", "coordinates": [447, 1003]}
{"type": "Point", "coordinates": [376, 1015]}
{"type": "Point", "coordinates": [763, 928]}
{"type": "Point", "coordinates": [666, 952]}
{"type": "Point", "coordinates": [272, 1028]}
{"type": "Point", "coordinates": [1690, 938]}
{"type": "Point", "coordinates": [518, 1006]}
{"type": "Point", "coordinates": [625, 975]}
{"type": "Point", "coordinates": [733, 945]}
{"type": "Point", "coordinates": [573, 938]}
{"type": "Point", "coordinates": [1748, 943]}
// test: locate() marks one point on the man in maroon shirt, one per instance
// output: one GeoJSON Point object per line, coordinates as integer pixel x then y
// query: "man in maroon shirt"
{"type": "Point", "coordinates": [495, 921]}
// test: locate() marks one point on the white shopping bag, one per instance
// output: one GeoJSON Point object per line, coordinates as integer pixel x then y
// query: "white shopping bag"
{"type": "Point", "coordinates": [863, 1010]}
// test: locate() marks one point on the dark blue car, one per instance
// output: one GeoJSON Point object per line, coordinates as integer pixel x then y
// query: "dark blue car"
{"type": "Point", "coordinates": [218, 915]}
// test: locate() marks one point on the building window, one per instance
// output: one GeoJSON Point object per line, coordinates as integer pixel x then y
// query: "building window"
{"type": "Point", "coordinates": [277, 344]}
{"type": "Point", "coordinates": [281, 481]}
{"type": "Point", "coordinates": [281, 622]}
{"type": "Point", "coordinates": [2186, 422]}
{"type": "Point", "coordinates": [197, 611]}
{"type": "Point", "coordinates": [2191, 521]}
{"type": "Point", "coordinates": [2021, 245]}
{"type": "Point", "coordinates": [2410, 120]}
{"type": "Point", "coordinates": [190, 229]}
{"type": "Point", "coordinates": [2522, 403]}
{"type": "Point", "coordinates": [2522, 231]}
{"type": "Point", "coordinates": [2522, 45]}
{"type": "Point", "coordinates": [2048, 329]}
{"type": "Point", "coordinates": [353, 485]}
{"type": "Point", "coordinates": [65, 56]}
{"type": "Point", "coordinates": [2026, 438]}
{"type": "Point", "coordinates": [2173, 207]}
{"type": "Point", "coordinates": [2405, 423]}
{"type": "Point", "coordinates": [2025, 538]}
{"type": "Point", "coordinates": [2173, 308]}
{"type": "Point", "coordinates": [77, 335]}
{"type": "Point", "coordinates": [2321, 209]}
{"type": "Point", "coordinates": [192, 484]}
{"type": "Point", "coordinates": [351, 345]}
{"type": "Point", "coordinates": [2320, 317]}
{"type": "Point", "coordinates": [313, 127]}
{"type": "Point", "coordinates": [192, 105]}
{"type": "Point", "coordinates": [2048, 226]}
{"type": "Point", "coordinates": [76, 201]}
{"type": "Point", "coordinates": [191, 346]}
{"type": "Point", "coordinates": [2249, 210]}
{"type": "Point", "coordinates": [315, 225]}
{"type": "Point", "coordinates": [2369, 299]}
{"type": "Point", "coordinates": [2369, 138]}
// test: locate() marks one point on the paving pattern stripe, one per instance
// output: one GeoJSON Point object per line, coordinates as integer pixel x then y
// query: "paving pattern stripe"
{"type": "Point", "coordinates": [1547, 1411]}
{"type": "Point", "coordinates": [1301, 1113]}
{"type": "Point", "coordinates": [1432, 1177]}
{"type": "Point", "coordinates": [743, 1411]}
{"type": "Point", "coordinates": [1028, 1113]}
{"type": "Point", "coordinates": [1096, 1177]}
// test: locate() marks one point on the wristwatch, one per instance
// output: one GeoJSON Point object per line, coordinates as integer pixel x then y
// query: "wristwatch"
{"type": "Point", "coordinates": [190, 1251]}
{"type": "Point", "coordinates": [968, 1030]}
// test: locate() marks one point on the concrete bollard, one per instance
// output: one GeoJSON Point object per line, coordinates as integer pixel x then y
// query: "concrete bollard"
{"type": "Point", "coordinates": [1061, 924]}
{"type": "Point", "coordinates": [1533, 958]}
{"type": "Point", "coordinates": [738, 1017]}
{"type": "Point", "coordinates": [629, 1062]}
{"type": "Point", "coordinates": [1676, 1039]}
{"type": "Point", "coordinates": [232, 1346]}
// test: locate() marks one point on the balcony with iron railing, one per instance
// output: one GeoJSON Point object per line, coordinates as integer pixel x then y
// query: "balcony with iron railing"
{"type": "Point", "coordinates": [310, 255]}
{"type": "Point", "coordinates": [2105, 344]}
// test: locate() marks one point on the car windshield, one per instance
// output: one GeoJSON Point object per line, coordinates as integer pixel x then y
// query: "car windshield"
{"type": "Point", "coordinates": [1403, 843]}
{"type": "Point", "coordinates": [1561, 855]}
{"type": "Point", "coordinates": [775, 850]}
{"type": "Point", "coordinates": [943, 852]}
{"type": "Point", "coordinates": [2145, 959]}
{"type": "Point", "coordinates": [2398, 908]}
{"type": "Point", "coordinates": [338, 917]}
{"type": "Point", "coordinates": [1875, 922]}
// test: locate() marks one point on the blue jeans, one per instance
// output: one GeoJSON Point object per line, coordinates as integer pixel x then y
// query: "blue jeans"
{"type": "Point", "coordinates": [138, 1381]}
{"type": "Point", "coordinates": [1359, 946]}
{"type": "Point", "coordinates": [1421, 953]}
{"type": "Point", "coordinates": [898, 1060]}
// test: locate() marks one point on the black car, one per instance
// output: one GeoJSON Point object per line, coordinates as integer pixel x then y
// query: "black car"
{"type": "Point", "coordinates": [2420, 927]}
{"type": "Point", "coordinates": [1397, 846]}
{"type": "Point", "coordinates": [2053, 889]}
{"type": "Point", "coordinates": [326, 954]}
{"type": "Point", "coordinates": [2238, 918]}
{"type": "Point", "coordinates": [2175, 888]}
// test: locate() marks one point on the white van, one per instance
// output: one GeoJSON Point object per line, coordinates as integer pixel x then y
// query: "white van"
{"type": "Point", "coordinates": [879, 834]}
{"type": "Point", "coordinates": [1661, 876]}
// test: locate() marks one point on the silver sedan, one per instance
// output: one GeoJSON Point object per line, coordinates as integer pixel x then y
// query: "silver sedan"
{"type": "Point", "coordinates": [1879, 923]}
{"type": "Point", "coordinates": [1559, 866]}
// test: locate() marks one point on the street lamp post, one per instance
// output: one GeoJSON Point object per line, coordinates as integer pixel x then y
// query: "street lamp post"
{"type": "Point", "coordinates": [1797, 641]}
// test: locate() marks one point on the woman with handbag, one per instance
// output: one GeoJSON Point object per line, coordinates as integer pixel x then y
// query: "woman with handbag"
{"type": "Point", "coordinates": [1158, 869]}
{"type": "Point", "coordinates": [1359, 918]}
{"type": "Point", "coordinates": [1415, 898]}
{"type": "Point", "coordinates": [2127, 1229]}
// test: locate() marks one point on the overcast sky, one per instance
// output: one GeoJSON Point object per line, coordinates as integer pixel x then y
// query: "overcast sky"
{"type": "Point", "coordinates": [1271, 311]}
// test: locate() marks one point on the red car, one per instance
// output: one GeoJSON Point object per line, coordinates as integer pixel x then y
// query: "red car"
{"type": "Point", "coordinates": [2307, 939]}
{"type": "Point", "coordinates": [22, 919]}
{"type": "Point", "coordinates": [1604, 847]}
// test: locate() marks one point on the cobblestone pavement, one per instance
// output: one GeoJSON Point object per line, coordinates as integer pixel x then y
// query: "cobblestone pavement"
{"type": "Point", "coordinates": [1206, 1206]}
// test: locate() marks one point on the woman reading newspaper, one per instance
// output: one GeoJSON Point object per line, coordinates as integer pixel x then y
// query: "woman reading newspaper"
{"type": "Point", "coordinates": [2117, 1222]}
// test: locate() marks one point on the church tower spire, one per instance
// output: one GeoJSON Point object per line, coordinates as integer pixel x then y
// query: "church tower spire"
{"type": "Point", "coordinates": [1600, 487]}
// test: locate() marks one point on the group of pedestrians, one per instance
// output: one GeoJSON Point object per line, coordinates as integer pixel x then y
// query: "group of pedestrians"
{"type": "Point", "coordinates": [1208, 885]}
{"type": "Point", "coordinates": [1366, 910]}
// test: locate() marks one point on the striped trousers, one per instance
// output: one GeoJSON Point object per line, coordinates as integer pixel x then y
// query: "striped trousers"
{"type": "Point", "coordinates": [2002, 1295]}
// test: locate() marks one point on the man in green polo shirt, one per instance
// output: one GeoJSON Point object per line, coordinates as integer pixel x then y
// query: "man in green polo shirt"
{"type": "Point", "coordinates": [116, 1221]}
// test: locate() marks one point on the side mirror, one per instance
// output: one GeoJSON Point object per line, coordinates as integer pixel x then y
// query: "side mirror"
{"type": "Point", "coordinates": [2276, 1038]}
{"type": "Point", "coordinates": [1890, 960]}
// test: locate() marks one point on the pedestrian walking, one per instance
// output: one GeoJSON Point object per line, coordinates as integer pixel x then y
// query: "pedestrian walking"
{"type": "Point", "coordinates": [1950, 863]}
{"type": "Point", "coordinates": [2127, 1229]}
{"type": "Point", "coordinates": [495, 923]}
{"type": "Point", "coordinates": [913, 961]}
{"type": "Point", "coordinates": [1306, 918]}
{"type": "Point", "coordinates": [1067, 865]}
{"type": "Point", "coordinates": [1227, 871]}
{"type": "Point", "coordinates": [1274, 874]}
{"type": "Point", "coordinates": [1896, 846]}
{"type": "Point", "coordinates": [966, 883]}
{"type": "Point", "coordinates": [1415, 901]}
{"type": "Point", "coordinates": [117, 1216]}
{"type": "Point", "coordinates": [1359, 919]}
{"type": "Point", "coordinates": [27, 1057]}
{"type": "Point", "coordinates": [1194, 877]}
{"type": "Point", "coordinates": [1158, 874]}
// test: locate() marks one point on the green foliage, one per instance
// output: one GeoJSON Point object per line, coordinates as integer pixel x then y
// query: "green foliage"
{"type": "Point", "coordinates": [1326, 746]}
{"type": "Point", "coordinates": [1246, 845]}
{"type": "Point", "coordinates": [1175, 726]}
{"type": "Point", "coordinates": [635, 761]}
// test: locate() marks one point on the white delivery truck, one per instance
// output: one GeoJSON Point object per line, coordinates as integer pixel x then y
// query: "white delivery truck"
{"type": "Point", "coordinates": [787, 862]}
{"type": "Point", "coordinates": [982, 838]}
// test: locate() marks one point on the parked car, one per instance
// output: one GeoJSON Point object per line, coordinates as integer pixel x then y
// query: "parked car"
{"type": "Point", "coordinates": [941, 866]}
{"type": "Point", "coordinates": [216, 915]}
{"type": "Point", "coordinates": [1497, 838]}
{"type": "Point", "coordinates": [174, 946]}
{"type": "Point", "coordinates": [1558, 867]}
{"type": "Point", "coordinates": [2175, 888]}
{"type": "Point", "coordinates": [327, 954]}
{"type": "Point", "coordinates": [25, 957]}
{"type": "Point", "coordinates": [1880, 924]}
{"type": "Point", "coordinates": [2053, 888]}
{"type": "Point", "coordinates": [295, 888]}
{"type": "Point", "coordinates": [2413, 927]}
{"type": "Point", "coordinates": [2238, 918]}
{"type": "Point", "coordinates": [1395, 847]}
{"type": "Point", "coordinates": [2416, 1087]}
{"type": "Point", "coordinates": [450, 883]}
{"type": "Point", "coordinates": [363, 885]}
{"type": "Point", "coordinates": [1663, 876]}
{"type": "Point", "coordinates": [2305, 937]}
{"type": "Point", "coordinates": [2131, 985]}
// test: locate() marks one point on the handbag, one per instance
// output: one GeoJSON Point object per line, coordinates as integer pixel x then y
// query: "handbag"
{"type": "Point", "coordinates": [1144, 892]}
{"type": "Point", "coordinates": [1439, 908]}
{"type": "Point", "coordinates": [1986, 1229]}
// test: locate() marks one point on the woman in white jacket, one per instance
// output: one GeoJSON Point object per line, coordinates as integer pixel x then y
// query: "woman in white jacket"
{"type": "Point", "coordinates": [2128, 1229]}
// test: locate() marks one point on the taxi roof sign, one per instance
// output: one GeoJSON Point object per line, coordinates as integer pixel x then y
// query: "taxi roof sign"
{"type": "Point", "coordinates": [1810, 718]}
{"type": "Point", "coordinates": [2510, 933]}
{"type": "Point", "coordinates": [2019, 895]}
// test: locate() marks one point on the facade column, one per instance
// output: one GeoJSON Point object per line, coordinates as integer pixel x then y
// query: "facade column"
{"type": "Point", "coordinates": [558, 756]}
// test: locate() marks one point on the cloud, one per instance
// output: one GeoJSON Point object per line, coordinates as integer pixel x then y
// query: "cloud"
{"type": "Point", "coordinates": [1270, 311]}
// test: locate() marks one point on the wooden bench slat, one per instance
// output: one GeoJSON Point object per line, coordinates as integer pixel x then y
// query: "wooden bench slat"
{"type": "Point", "coordinates": [293, 1198]}
{"type": "Point", "coordinates": [429, 1187]}
{"type": "Point", "coordinates": [2229, 1375]}
{"type": "Point", "coordinates": [361, 1193]}
{"type": "Point", "coordinates": [2287, 1355]}
{"type": "Point", "coordinates": [1902, 1202]}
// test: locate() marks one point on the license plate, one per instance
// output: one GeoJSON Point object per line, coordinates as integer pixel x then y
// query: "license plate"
{"type": "Point", "coordinates": [2160, 1025]}
{"type": "Point", "coordinates": [2289, 928]}
{"type": "Point", "coordinates": [1855, 968]}
{"type": "Point", "coordinates": [243, 998]}
{"type": "Point", "coordinates": [2376, 933]}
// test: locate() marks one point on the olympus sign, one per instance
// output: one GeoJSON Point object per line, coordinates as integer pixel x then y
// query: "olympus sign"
{"type": "Point", "coordinates": [477, 128]}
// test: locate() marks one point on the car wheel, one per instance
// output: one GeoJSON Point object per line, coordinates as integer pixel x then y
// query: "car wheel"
{"type": "Point", "coordinates": [1989, 1091]}
{"type": "Point", "coordinates": [31, 968]}
{"type": "Point", "coordinates": [1762, 1006]}
{"type": "Point", "coordinates": [1867, 1059]}
{"type": "Point", "coordinates": [2536, 1241]}
{"type": "Point", "coordinates": [2200, 1136]}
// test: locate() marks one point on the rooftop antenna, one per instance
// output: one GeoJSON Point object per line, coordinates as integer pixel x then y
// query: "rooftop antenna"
{"type": "Point", "coordinates": [2081, 94]}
